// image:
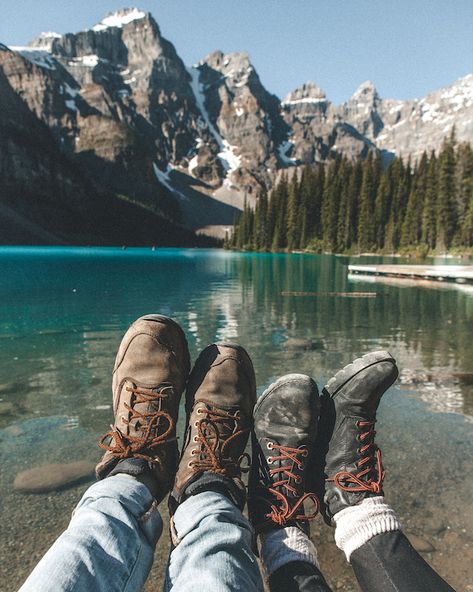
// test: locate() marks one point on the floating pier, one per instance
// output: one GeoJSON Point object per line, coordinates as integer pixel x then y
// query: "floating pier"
{"type": "Point", "coordinates": [462, 274]}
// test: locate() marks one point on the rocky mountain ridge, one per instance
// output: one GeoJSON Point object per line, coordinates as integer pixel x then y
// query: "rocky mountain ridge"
{"type": "Point", "coordinates": [191, 143]}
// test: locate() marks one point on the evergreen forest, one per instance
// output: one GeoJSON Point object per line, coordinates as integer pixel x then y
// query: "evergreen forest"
{"type": "Point", "coordinates": [346, 206]}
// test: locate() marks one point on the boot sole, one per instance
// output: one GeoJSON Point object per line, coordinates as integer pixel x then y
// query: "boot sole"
{"type": "Point", "coordinates": [343, 376]}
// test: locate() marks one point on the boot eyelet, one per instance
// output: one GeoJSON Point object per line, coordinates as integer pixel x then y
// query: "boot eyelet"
{"type": "Point", "coordinates": [305, 452]}
{"type": "Point", "coordinates": [269, 460]}
{"type": "Point", "coordinates": [298, 480]}
{"type": "Point", "coordinates": [269, 446]}
{"type": "Point", "coordinates": [195, 439]}
{"type": "Point", "coordinates": [196, 424]}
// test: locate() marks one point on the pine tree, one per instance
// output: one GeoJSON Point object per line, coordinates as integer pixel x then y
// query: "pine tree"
{"type": "Point", "coordinates": [280, 196]}
{"type": "Point", "coordinates": [305, 189]}
{"type": "Point", "coordinates": [429, 218]}
{"type": "Point", "coordinates": [366, 227]}
{"type": "Point", "coordinates": [382, 207]}
{"type": "Point", "coordinates": [356, 180]}
{"type": "Point", "coordinates": [463, 188]}
{"type": "Point", "coordinates": [330, 204]}
{"type": "Point", "coordinates": [261, 222]}
{"type": "Point", "coordinates": [293, 214]}
{"type": "Point", "coordinates": [445, 207]}
{"type": "Point", "coordinates": [411, 233]}
{"type": "Point", "coordinates": [466, 237]}
{"type": "Point", "coordinates": [345, 222]}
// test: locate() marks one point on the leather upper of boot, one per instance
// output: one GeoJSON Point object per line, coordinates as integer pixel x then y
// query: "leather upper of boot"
{"type": "Point", "coordinates": [350, 401]}
{"type": "Point", "coordinates": [285, 427]}
{"type": "Point", "coordinates": [149, 376]}
{"type": "Point", "coordinates": [220, 397]}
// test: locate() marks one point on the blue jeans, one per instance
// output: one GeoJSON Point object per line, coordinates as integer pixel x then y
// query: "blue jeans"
{"type": "Point", "coordinates": [110, 541]}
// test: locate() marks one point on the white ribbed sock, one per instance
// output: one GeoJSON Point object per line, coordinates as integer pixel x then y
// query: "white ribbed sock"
{"type": "Point", "coordinates": [283, 545]}
{"type": "Point", "coordinates": [356, 525]}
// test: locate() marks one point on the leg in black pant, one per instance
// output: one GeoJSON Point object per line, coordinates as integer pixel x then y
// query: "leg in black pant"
{"type": "Point", "coordinates": [388, 562]}
{"type": "Point", "coordinates": [298, 576]}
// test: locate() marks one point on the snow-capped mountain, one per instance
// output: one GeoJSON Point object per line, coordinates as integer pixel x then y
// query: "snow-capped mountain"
{"type": "Point", "coordinates": [124, 108]}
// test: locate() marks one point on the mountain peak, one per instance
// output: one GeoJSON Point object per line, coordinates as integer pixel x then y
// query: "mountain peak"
{"type": "Point", "coordinates": [120, 18]}
{"type": "Point", "coordinates": [365, 90]}
{"type": "Point", "coordinates": [236, 60]}
{"type": "Point", "coordinates": [45, 40]}
{"type": "Point", "coordinates": [308, 92]}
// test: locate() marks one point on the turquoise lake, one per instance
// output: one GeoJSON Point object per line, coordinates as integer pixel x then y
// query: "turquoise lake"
{"type": "Point", "coordinates": [64, 310]}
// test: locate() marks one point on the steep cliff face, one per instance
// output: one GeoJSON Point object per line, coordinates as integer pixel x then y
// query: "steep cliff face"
{"type": "Point", "coordinates": [192, 143]}
{"type": "Point", "coordinates": [317, 129]}
{"type": "Point", "coordinates": [48, 198]}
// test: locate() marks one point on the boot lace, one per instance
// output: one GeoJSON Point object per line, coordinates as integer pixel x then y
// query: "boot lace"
{"type": "Point", "coordinates": [213, 454]}
{"type": "Point", "coordinates": [371, 476]}
{"type": "Point", "coordinates": [146, 445]}
{"type": "Point", "coordinates": [281, 512]}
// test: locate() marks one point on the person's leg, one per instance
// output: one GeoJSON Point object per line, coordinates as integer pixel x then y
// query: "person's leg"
{"type": "Point", "coordinates": [211, 538]}
{"type": "Point", "coordinates": [108, 545]}
{"type": "Point", "coordinates": [285, 427]}
{"type": "Point", "coordinates": [389, 562]}
{"type": "Point", "coordinates": [367, 530]}
{"type": "Point", "coordinates": [213, 547]}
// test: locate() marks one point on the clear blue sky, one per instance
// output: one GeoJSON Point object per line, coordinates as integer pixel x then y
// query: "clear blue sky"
{"type": "Point", "coordinates": [406, 47]}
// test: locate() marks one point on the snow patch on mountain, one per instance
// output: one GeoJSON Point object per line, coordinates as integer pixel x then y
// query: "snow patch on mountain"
{"type": "Point", "coordinates": [39, 57]}
{"type": "Point", "coordinates": [119, 19]}
{"type": "Point", "coordinates": [165, 179]}
{"type": "Point", "coordinates": [283, 150]}
{"type": "Point", "coordinates": [307, 100]}
{"type": "Point", "coordinates": [228, 158]}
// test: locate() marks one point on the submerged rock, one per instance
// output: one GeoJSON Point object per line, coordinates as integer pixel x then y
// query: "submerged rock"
{"type": "Point", "coordinates": [6, 408]}
{"type": "Point", "coordinates": [53, 477]}
{"type": "Point", "coordinates": [7, 387]}
{"type": "Point", "coordinates": [421, 545]}
{"type": "Point", "coordinates": [294, 344]}
{"type": "Point", "coordinates": [13, 430]}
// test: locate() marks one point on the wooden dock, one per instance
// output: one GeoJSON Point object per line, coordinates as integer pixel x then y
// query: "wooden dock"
{"type": "Point", "coordinates": [462, 274]}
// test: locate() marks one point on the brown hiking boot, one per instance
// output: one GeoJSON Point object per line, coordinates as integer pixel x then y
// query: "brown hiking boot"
{"type": "Point", "coordinates": [149, 376]}
{"type": "Point", "coordinates": [220, 397]}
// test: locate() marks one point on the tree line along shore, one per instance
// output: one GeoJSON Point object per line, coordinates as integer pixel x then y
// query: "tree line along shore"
{"type": "Point", "coordinates": [360, 206]}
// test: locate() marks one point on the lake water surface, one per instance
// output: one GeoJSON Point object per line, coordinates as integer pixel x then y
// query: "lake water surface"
{"type": "Point", "coordinates": [63, 312]}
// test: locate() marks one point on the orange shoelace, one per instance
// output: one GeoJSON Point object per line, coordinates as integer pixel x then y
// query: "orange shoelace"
{"type": "Point", "coordinates": [212, 456]}
{"type": "Point", "coordinates": [126, 446]}
{"type": "Point", "coordinates": [283, 513]}
{"type": "Point", "coordinates": [371, 477]}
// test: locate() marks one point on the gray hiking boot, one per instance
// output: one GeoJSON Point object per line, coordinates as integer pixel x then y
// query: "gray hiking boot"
{"type": "Point", "coordinates": [149, 376]}
{"type": "Point", "coordinates": [350, 399]}
{"type": "Point", "coordinates": [285, 427]}
{"type": "Point", "coordinates": [220, 397]}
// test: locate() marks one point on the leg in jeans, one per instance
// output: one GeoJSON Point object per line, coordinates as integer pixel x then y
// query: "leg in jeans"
{"type": "Point", "coordinates": [285, 428]}
{"type": "Point", "coordinates": [212, 540]}
{"type": "Point", "coordinates": [213, 547]}
{"type": "Point", "coordinates": [110, 541]}
{"type": "Point", "coordinates": [290, 561]}
{"type": "Point", "coordinates": [108, 545]}
{"type": "Point", "coordinates": [367, 530]}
